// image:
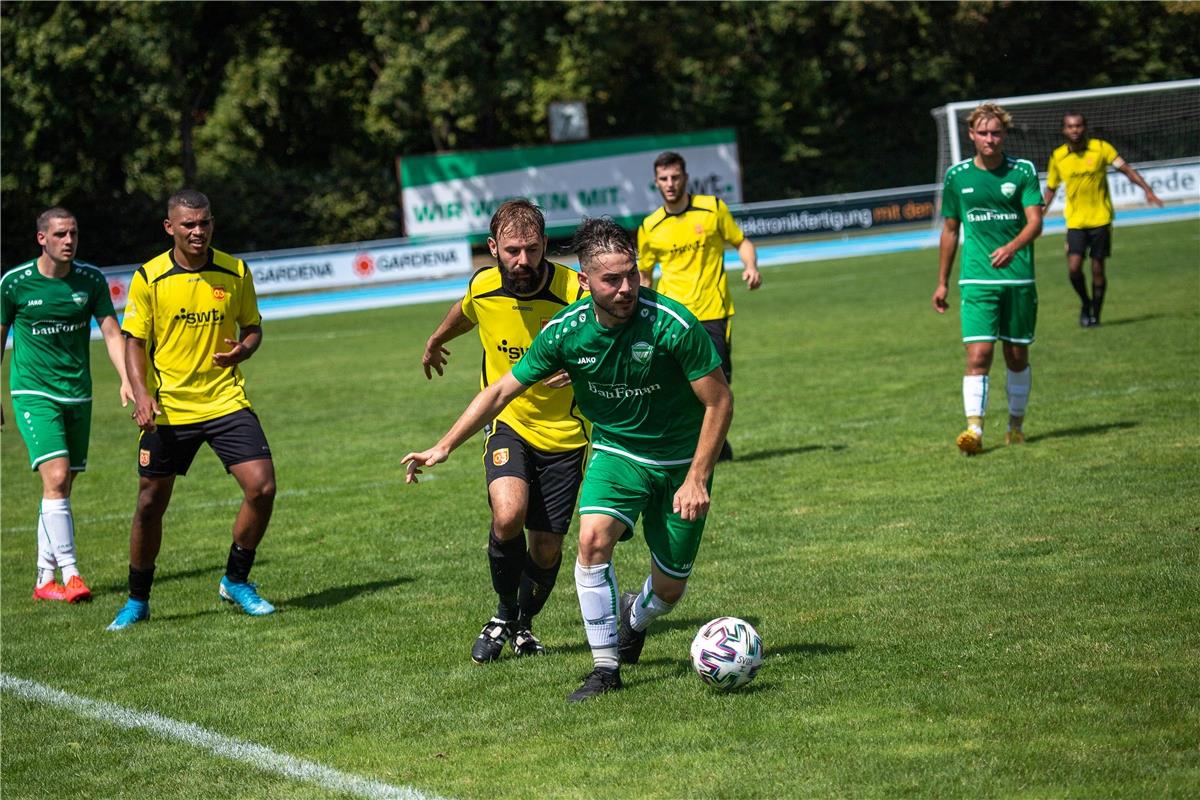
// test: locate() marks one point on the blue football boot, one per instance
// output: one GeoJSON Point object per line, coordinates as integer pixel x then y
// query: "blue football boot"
{"type": "Point", "coordinates": [246, 596]}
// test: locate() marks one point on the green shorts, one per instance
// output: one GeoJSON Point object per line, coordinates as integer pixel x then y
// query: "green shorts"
{"type": "Point", "coordinates": [991, 312]}
{"type": "Point", "coordinates": [53, 430]}
{"type": "Point", "coordinates": [624, 489]}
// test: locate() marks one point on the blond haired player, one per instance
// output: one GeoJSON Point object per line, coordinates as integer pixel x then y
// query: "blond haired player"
{"type": "Point", "coordinates": [997, 200]}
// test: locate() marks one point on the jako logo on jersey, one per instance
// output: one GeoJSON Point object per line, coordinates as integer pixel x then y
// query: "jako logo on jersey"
{"type": "Point", "coordinates": [79, 298]}
{"type": "Point", "coordinates": [514, 353]}
{"type": "Point", "coordinates": [35, 302]}
{"type": "Point", "coordinates": [642, 352]}
{"type": "Point", "coordinates": [1008, 189]}
{"type": "Point", "coordinates": [218, 292]}
{"type": "Point", "coordinates": [210, 317]}
{"type": "Point", "coordinates": [586, 360]}
{"type": "Point", "coordinates": [968, 190]}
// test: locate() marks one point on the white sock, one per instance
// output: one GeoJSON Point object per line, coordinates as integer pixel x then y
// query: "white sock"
{"type": "Point", "coordinates": [1018, 391]}
{"type": "Point", "coordinates": [46, 561]}
{"type": "Point", "coordinates": [975, 395]}
{"type": "Point", "coordinates": [60, 530]}
{"type": "Point", "coordinates": [648, 607]}
{"type": "Point", "coordinates": [597, 590]}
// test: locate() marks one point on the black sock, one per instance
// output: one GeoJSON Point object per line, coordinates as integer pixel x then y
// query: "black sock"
{"type": "Point", "coordinates": [536, 585]}
{"type": "Point", "coordinates": [1079, 283]}
{"type": "Point", "coordinates": [241, 559]}
{"type": "Point", "coordinates": [140, 581]}
{"type": "Point", "coordinates": [1098, 290]}
{"type": "Point", "coordinates": [506, 561]}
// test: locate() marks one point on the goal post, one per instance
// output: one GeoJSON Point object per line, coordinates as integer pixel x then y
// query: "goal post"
{"type": "Point", "coordinates": [1147, 123]}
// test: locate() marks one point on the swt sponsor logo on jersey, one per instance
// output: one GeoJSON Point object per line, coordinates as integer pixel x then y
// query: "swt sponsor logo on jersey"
{"type": "Point", "coordinates": [513, 352]}
{"type": "Point", "coordinates": [199, 319]}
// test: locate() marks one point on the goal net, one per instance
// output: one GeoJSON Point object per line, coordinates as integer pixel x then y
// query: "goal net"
{"type": "Point", "coordinates": [1151, 123]}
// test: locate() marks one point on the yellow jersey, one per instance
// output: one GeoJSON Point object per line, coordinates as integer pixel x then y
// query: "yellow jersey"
{"type": "Point", "coordinates": [690, 248]}
{"type": "Point", "coordinates": [1089, 204]}
{"type": "Point", "coordinates": [185, 316]}
{"type": "Point", "coordinates": [545, 418]}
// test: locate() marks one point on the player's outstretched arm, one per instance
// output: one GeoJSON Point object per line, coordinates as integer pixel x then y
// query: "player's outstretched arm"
{"type": "Point", "coordinates": [114, 342]}
{"type": "Point", "coordinates": [487, 405]}
{"type": "Point", "coordinates": [1140, 182]}
{"type": "Point", "coordinates": [691, 501]}
{"type": "Point", "coordinates": [947, 247]}
{"type": "Point", "coordinates": [455, 324]}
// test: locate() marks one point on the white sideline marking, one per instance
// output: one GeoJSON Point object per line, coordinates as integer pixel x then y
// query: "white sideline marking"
{"type": "Point", "coordinates": [256, 755]}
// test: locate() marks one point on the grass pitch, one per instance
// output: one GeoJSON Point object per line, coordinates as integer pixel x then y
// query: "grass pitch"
{"type": "Point", "coordinates": [1023, 623]}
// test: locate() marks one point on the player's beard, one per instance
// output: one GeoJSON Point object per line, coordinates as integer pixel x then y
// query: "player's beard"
{"type": "Point", "coordinates": [526, 283]}
{"type": "Point", "coordinates": [613, 310]}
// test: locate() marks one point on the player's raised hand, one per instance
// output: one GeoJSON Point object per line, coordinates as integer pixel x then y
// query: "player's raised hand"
{"type": "Point", "coordinates": [434, 359]}
{"type": "Point", "coordinates": [425, 458]}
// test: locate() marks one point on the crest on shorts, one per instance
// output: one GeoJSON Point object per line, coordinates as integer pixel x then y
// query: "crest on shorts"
{"type": "Point", "coordinates": [1008, 189]}
{"type": "Point", "coordinates": [218, 292]}
{"type": "Point", "coordinates": [641, 352]}
{"type": "Point", "coordinates": [500, 457]}
{"type": "Point", "coordinates": [144, 458]}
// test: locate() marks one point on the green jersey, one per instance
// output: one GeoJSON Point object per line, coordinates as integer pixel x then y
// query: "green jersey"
{"type": "Point", "coordinates": [991, 206]}
{"type": "Point", "coordinates": [633, 381]}
{"type": "Point", "coordinates": [51, 322]}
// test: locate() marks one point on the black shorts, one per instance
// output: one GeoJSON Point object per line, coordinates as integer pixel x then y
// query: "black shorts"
{"type": "Point", "coordinates": [722, 339]}
{"type": "Point", "coordinates": [1098, 240]}
{"type": "Point", "coordinates": [553, 478]}
{"type": "Point", "coordinates": [170, 449]}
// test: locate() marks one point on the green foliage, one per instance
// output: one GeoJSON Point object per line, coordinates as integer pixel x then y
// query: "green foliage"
{"type": "Point", "coordinates": [1019, 624]}
{"type": "Point", "coordinates": [290, 115]}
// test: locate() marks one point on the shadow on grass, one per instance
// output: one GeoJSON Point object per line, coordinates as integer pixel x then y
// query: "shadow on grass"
{"type": "Point", "coordinates": [1111, 323]}
{"type": "Point", "coordinates": [336, 595]}
{"type": "Point", "coordinates": [1081, 430]}
{"type": "Point", "coordinates": [215, 569]}
{"type": "Point", "coordinates": [778, 452]}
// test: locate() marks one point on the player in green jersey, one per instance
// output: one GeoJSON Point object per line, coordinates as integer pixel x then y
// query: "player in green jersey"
{"type": "Point", "coordinates": [648, 377]}
{"type": "Point", "coordinates": [997, 199]}
{"type": "Point", "coordinates": [49, 302]}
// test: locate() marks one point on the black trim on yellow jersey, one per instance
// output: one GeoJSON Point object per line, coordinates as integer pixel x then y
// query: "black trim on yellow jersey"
{"type": "Point", "coordinates": [690, 207]}
{"type": "Point", "coordinates": [176, 269]}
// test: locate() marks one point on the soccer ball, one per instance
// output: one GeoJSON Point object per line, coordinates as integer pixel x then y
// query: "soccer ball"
{"type": "Point", "coordinates": [727, 653]}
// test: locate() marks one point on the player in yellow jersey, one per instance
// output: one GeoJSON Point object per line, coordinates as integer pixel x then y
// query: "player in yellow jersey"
{"type": "Point", "coordinates": [191, 318]}
{"type": "Point", "coordinates": [534, 450]}
{"type": "Point", "coordinates": [1082, 164]}
{"type": "Point", "coordinates": [687, 237]}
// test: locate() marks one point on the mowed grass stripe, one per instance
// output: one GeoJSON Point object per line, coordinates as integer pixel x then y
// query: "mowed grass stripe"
{"type": "Point", "coordinates": [256, 755]}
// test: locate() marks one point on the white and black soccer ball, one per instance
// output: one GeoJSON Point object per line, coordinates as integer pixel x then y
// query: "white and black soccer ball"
{"type": "Point", "coordinates": [727, 653]}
